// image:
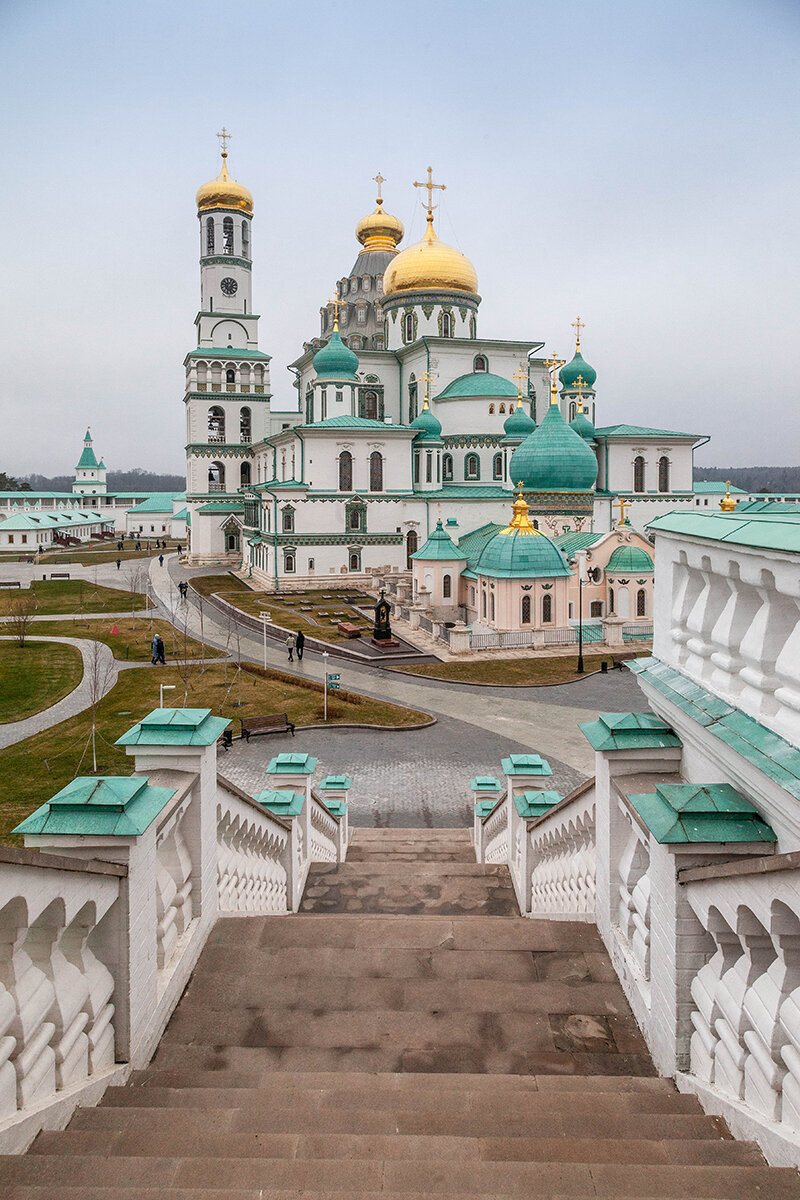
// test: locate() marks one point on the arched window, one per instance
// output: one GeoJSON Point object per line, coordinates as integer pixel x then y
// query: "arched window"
{"type": "Point", "coordinates": [641, 603]}
{"type": "Point", "coordinates": [491, 410]}
{"type": "Point", "coordinates": [355, 520]}
{"type": "Point", "coordinates": [245, 425]}
{"type": "Point", "coordinates": [547, 609]}
{"type": "Point", "coordinates": [412, 398]}
{"type": "Point", "coordinates": [345, 471]}
{"type": "Point", "coordinates": [663, 474]}
{"type": "Point", "coordinates": [473, 327]}
{"type": "Point", "coordinates": [230, 375]}
{"type": "Point", "coordinates": [216, 424]}
{"type": "Point", "coordinates": [411, 547]}
{"type": "Point", "coordinates": [447, 325]}
{"type": "Point", "coordinates": [472, 467]}
{"type": "Point", "coordinates": [210, 235]}
{"type": "Point", "coordinates": [287, 520]}
{"type": "Point", "coordinates": [638, 473]}
{"type": "Point", "coordinates": [227, 235]}
{"type": "Point", "coordinates": [502, 408]}
{"type": "Point", "coordinates": [216, 477]}
{"type": "Point", "coordinates": [288, 562]}
{"type": "Point", "coordinates": [596, 608]}
{"type": "Point", "coordinates": [408, 327]}
{"type": "Point", "coordinates": [376, 471]}
{"type": "Point", "coordinates": [525, 616]}
{"type": "Point", "coordinates": [497, 466]}
{"type": "Point", "coordinates": [355, 561]}
{"type": "Point", "coordinates": [610, 600]}
{"type": "Point", "coordinates": [309, 406]}
{"type": "Point", "coordinates": [371, 405]}
{"type": "Point", "coordinates": [491, 606]}
{"type": "Point", "coordinates": [446, 583]}
{"type": "Point", "coordinates": [480, 363]}
{"type": "Point", "coordinates": [573, 410]}
{"type": "Point", "coordinates": [244, 475]}
{"type": "Point", "coordinates": [447, 468]}
{"type": "Point", "coordinates": [245, 239]}
{"type": "Point", "coordinates": [258, 375]}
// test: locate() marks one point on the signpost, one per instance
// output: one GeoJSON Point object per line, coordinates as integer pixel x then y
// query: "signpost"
{"type": "Point", "coordinates": [265, 616]}
{"type": "Point", "coordinates": [332, 682]}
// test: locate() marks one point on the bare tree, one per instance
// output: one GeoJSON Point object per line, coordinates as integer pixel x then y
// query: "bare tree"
{"type": "Point", "coordinates": [20, 616]}
{"type": "Point", "coordinates": [136, 585]}
{"type": "Point", "coordinates": [185, 663]}
{"type": "Point", "coordinates": [99, 671]}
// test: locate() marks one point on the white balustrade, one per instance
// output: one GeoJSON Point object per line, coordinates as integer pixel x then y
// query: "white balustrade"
{"type": "Point", "coordinates": [634, 896]}
{"type": "Point", "coordinates": [253, 848]}
{"type": "Point", "coordinates": [324, 833]}
{"type": "Point", "coordinates": [495, 837]}
{"type": "Point", "coordinates": [562, 858]}
{"type": "Point", "coordinates": [173, 884]}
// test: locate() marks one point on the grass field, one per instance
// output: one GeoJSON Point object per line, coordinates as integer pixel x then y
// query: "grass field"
{"type": "Point", "coordinates": [318, 621]}
{"type": "Point", "coordinates": [105, 552]}
{"type": "Point", "coordinates": [34, 770]}
{"type": "Point", "coordinates": [512, 672]}
{"type": "Point", "coordinates": [34, 676]}
{"type": "Point", "coordinates": [71, 596]}
{"type": "Point", "coordinates": [132, 642]}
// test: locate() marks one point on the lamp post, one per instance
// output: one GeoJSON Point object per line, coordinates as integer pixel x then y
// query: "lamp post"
{"type": "Point", "coordinates": [581, 574]}
{"type": "Point", "coordinates": [325, 667]}
{"type": "Point", "coordinates": [264, 618]}
{"type": "Point", "coordinates": [164, 687]}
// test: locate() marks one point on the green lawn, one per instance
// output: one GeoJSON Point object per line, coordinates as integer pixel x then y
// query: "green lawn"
{"type": "Point", "coordinates": [133, 640]}
{"type": "Point", "coordinates": [104, 552]}
{"type": "Point", "coordinates": [34, 770]}
{"type": "Point", "coordinates": [34, 676]}
{"type": "Point", "coordinates": [513, 672]}
{"type": "Point", "coordinates": [71, 596]}
{"type": "Point", "coordinates": [287, 609]}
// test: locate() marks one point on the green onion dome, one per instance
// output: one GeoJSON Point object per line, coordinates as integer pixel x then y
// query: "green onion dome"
{"type": "Point", "coordinates": [629, 560]}
{"type": "Point", "coordinates": [579, 366]}
{"type": "Point", "coordinates": [521, 552]}
{"type": "Point", "coordinates": [429, 426]}
{"type": "Point", "coordinates": [554, 458]}
{"type": "Point", "coordinates": [582, 425]}
{"type": "Point", "coordinates": [335, 360]}
{"type": "Point", "coordinates": [519, 423]}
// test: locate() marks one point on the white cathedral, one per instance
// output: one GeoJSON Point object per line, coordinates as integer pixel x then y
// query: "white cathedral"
{"type": "Point", "coordinates": [404, 414]}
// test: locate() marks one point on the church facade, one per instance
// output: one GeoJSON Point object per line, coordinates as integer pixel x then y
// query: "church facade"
{"type": "Point", "coordinates": [403, 414]}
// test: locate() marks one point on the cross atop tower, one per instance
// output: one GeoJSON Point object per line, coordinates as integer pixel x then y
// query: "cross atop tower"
{"type": "Point", "coordinates": [379, 180]}
{"type": "Point", "coordinates": [578, 325]}
{"type": "Point", "coordinates": [580, 384]}
{"type": "Point", "coordinates": [519, 376]}
{"type": "Point", "coordinates": [224, 138]}
{"type": "Point", "coordinates": [623, 519]}
{"type": "Point", "coordinates": [553, 363]}
{"type": "Point", "coordinates": [426, 375]}
{"type": "Point", "coordinates": [431, 186]}
{"type": "Point", "coordinates": [336, 303]}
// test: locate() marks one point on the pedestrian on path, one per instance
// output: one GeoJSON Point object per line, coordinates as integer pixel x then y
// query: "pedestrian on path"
{"type": "Point", "coordinates": [291, 642]}
{"type": "Point", "coordinates": [119, 563]}
{"type": "Point", "coordinates": [301, 641]}
{"type": "Point", "coordinates": [180, 547]}
{"type": "Point", "coordinates": [161, 560]}
{"type": "Point", "coordinates": [154, 648]}
{"type": "Point", "coordinates": [160, 650]}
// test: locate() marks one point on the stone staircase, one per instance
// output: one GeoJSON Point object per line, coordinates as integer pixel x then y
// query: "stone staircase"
{"type": "Point", "coordinates": [393, 1039]}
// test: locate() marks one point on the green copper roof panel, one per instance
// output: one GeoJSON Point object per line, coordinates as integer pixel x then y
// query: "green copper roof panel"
{"type": "Point", "coordinates": [484, 807]}
{"type": "Point", "coordinates": [526, 764]}
{"type": "Point", "coordinates": [570, 543]}
{"type": "Point", "coordinates": [641, 431]}
{"type": "Point", "coordinates": [690, 812]}
{"type": "Point", "coordinates": [347, 422]}
{"type": "Point", "coordinates": [87, 459]}
{"type": "Point", "coordinates": [478, 383]}
{"type": "Point", "coordinates": [629, 559]}
{"type": "Point", "coordinates": [531, 804]}
{"type": "Point", "coordinates": [282, 802]}
{"type": "Point", "coordinates": [714, 487]}
{"type": "Point", "coordinates": [628, 731]}
{"type": "Point", "coordinates": [439, 547]}
{"type": "Point", "coordinates": [292, 764]}
{"type": "Point", "coordinates": [175, 727]}
{"type": "Point", "coordinates": [765, 531]}
{"type": "Point", "coordinates": [336, 783]}
{"type": "Point", "coordinates": [227, 352]}
{"type": "Point", "coordinates": [471, 544]}
{"type": "Point", "coordinates": [221, 506]}
{"type": "Point", "coordinates": [485, 783]}
{"type": "Point", "coordinates": [104, 806]}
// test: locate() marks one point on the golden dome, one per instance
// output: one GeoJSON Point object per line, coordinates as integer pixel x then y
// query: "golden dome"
{"type": "Point", "coordinates": [727, 503]}
{"type": "Point", "coordinates": [380, 230]}
{"type": "Point", "coordinates": [224, 192]}
{"type": "Point", "coordinates": [430, 264]}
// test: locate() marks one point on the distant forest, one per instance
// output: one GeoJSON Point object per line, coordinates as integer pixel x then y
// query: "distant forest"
{"type": "Point", "coordinates": [137, 480]}
{"type": "Point", "coordinates": [754, 479]}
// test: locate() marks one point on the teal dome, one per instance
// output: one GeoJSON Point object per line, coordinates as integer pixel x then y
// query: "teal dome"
{"type": "Point", "coordinates": [430, 427]}
{"type": "Point", "coordinates": [335, 360]}
{"type": "Point", "coordinates": [478, 383]}
{"type": "Point", "coordinates": [439, 547]}
{"type": "Point", "coordinates": [582, 425]}
{"type": "Point", "coordinates": [554, 458]}
{"type": "Point", "coordinates": [629, 560]}
{"type": "Point", "coordinates": [519, 423]}
{"type": "Point", "coordinates": [521, 552]}
{"type": "Point", "coordinates": [572, 370]}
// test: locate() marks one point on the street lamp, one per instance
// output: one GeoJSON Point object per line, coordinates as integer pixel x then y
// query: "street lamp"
{"type": "Point", "coordinates": [164, 687]}
{"type": "Point", "coordinates": [325, 668]}
{"type": "Point", "coordinates": [265, 616]}
{"type": "Point", "coordinates": [581, 581]}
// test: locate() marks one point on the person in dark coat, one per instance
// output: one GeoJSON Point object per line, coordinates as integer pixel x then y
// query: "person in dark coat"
{"type": "Point", "coordinates": [160, 650]}
{"type": "Point", "coordinates": [300, 641]}
{"type": "Point", "coordinates": [161, 560]}
{"type": "Point", "coordinates": [119, 563]}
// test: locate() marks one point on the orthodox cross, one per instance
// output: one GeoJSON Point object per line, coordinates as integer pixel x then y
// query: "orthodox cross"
{"type": "Point", "coordinates": [553, 363]}
{"type": "Point", "coordinates": [426, 375]}
{"type": "Point", "coordinates": [623, 520]}
{"type": "Point", "coordinates": [224, 138]}
{"type": "Point", "coordinates": [519, 376]}
{"type": "Point", "coordinates": [430, 185]}
{"type": "Point", "coordinates": [580, 384]}
{"type": "Point", "coordinates": [336, 303]}
{"type": "Point", "coordinates": [379, 180]}
{"type": "Point", "coordinates": [578, 325]}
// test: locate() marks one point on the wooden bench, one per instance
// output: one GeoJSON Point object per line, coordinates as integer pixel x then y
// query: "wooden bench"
{"type": "Point", "coordinates": [274, 723]}
{"type": "Point", "coordinates": [59, 574]}
{"type": "Point", "coordinates": [348, 629]}
{"type": "Point", "coordinates": [617, 660]}
{"type": "Point", "coordinates": [10, 583]}
{"type": "Point", "coordinates": [225, 741]}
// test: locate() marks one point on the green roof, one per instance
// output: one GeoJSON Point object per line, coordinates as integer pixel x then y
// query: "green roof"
{"type": "Point", "coordinates": [54, 518]}
{"type": "Point", "coordinates": [773, 507]}
{"type": "Point", "coordinates": [335, 360]}
{"type": "Point", "coordinates": [526, 764]}
{"type": "Point", "coordinates": [554, 458]}
{"type": "Point", "coordinates": [292, 764]}
{"type": "Point", "coordinates": [484, 807]}
{"type": "Point", "coordinates": [629, 559]}
{"type": "Point", "coordinates": [472, 544]}
{"type": "Point", "coordinates": [477, 383]}
{"type": "Point", "coordinates": [181, 515]}
{"type": "Point", "coordinates": [519, 423]}
{"type": "Point", "coordinates": [690, 812]}
{"type": "Point", "coordinates": [570, 372]}
{"type": "Point", "coordinates": [583, 426]}
{"type": "Point", "coordinates": [641, 431]}
{"type": "Point", "coordinates": [767, 531]}
{"type": "Point", "coordinates": [159, 502]}
{"type": "Point", "coordinates": [439, 547]}
{"type": "Point", "coordinates": [715, 487]}
{"type": "Point", "coordinates": [767, 751]}
{"type": "Point", "coordinates": [478, 491]}
{"type": "Point", "coordinates": [429, 426]}
{"type": "Point", "coordinates": [347, 422]}
{"type": "Point", "coordinates": [227, 352]}
{"type": "Point", "coordinates": [535, 804]}
{"type": "Point", "coordinates": [628, 731]}
{"type": "Point", "coordinates": [282, 802]}
{"type": "Point", "coordinates": [106, 806]}
{"type": "Point", "coordinates": [570, 543]}
{"type": "Point", "coordinates": [87, 459]}
{"type": "Point", "coordinates": [175, 727]}
{"type": "Point", "coordinates": [521, 554]}
{"type": "Point", "coordinates": [222, 506]}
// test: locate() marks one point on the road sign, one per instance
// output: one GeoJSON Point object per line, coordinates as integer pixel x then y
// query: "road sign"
{"type": "Point", "coordinates": [334, 678]}
{"type": "Point", "coordinates": [333, 687]}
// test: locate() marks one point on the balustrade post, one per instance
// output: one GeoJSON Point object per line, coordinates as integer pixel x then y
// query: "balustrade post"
{"type": "Point", "coordinates": [486, 791]}
{"type": "Point", "coordinates": [335, 791]}
{"type": "Point", "coordinates": [289, 795]}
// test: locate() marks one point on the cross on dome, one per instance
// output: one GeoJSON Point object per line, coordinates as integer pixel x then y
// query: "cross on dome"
{"type": "Point", "coordinates": [431, 186]}
{"type": "Point", "coordinates": [426, 375]}
{"type": "Point", "coordinates": [623, 503]}
{"type": "Point", "coordinates": [224, 138]}
{"type": "Point", "coordinates": [553, 363]}
{"type": "Point", "coordinates": [336, 303]}
{"type": "Point", "coordinates": [379, 179]}
{"type": "Point", "coordinates": [519, 376]}
{"type": "Point", "coordinates": [580, 384]}
{"type": "Point", "coordinates": [578, 325]}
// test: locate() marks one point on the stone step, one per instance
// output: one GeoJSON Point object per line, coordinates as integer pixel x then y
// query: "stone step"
{"type": "Point", "coordinates": [422, 871]}
{"type": "Point", "coordinates": [129, 1174]}
{"type": "Point", "coordinates": [24, 1192]}
{"type": "Point", "coordinates": [411, 833]}
{"type": "Point", "coordinates": [408, 854]}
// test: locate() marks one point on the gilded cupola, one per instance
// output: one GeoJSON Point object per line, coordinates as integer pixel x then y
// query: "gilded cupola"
{"type": "Point", "coordinates": [380, 230]}
{"type": "Point", "coordinates": [224, 192]}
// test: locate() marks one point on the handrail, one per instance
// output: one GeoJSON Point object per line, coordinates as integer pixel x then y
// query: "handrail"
{"type": "Point", "coordinates": [232, 787]}
{"type": "Point", "coordinates": [575, 794]}
{"type": "Point", "coordinates": [17, 856]}
{"type": "Point", "coordinates": [763, 864]}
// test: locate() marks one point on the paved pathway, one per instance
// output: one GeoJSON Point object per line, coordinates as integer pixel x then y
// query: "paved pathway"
{"type": "Point", "coordinates": [102, 667]}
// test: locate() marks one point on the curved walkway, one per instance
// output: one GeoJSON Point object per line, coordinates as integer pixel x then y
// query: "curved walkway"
{"type": "Point", "coordinates": [104, 668]}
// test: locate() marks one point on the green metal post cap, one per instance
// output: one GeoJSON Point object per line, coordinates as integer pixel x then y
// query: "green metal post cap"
{"type": "Point", "coordinates": [175, 727]}
{"type": "Point", "coordinates": [628, 731]}
{"type": "Point", "coordinates": [691, 812]}
{"type": "Point", "coordinates": [292, 764]}
{"type": "Point", "coordinates": [104, 806]}
{"type": "Point", "coordinates": [282, 802]}
{"type": "Point", "coordinates": [535, 804]}
{"type": "Point", "coordinates": [338, 783]}
{"type": "Point", "coordinates": [485, 783]}
{"type": "Point", "coordinates": [526, 764]}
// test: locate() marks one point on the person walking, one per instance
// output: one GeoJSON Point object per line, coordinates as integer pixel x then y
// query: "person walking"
{"type": "Point", "coordinates": [119, 563]}
{"type": "Point", "coordinates": [301, 641]}
{"type": "Point", "coordinates": [180, 548]}
{"type": "Point", "coordinates": [291, 642]}
{"type": "Point", "coordinates": [154, 648]}
{"type": "Point", "coordinates": [160, 650]}
{"type": "Point", "coordinates": [161, 560]}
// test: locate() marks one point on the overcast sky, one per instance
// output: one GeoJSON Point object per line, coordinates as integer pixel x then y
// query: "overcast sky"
{"type": "Point", "coordinates": [633, 163]}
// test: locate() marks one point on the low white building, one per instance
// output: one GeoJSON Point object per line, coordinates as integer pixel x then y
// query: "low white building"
{"type": "Point", "coordinates": [32, 531]}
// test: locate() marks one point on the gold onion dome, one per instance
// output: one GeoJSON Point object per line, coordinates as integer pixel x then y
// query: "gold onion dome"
{"type": "Point", "coordinates": [429, 265]}
{"type": "Point", "coordinates": [224, 192]}
{"type": "Point", "coordinates": [727, 503]}
{"type": "Point", "coordinates": [380, 230]}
